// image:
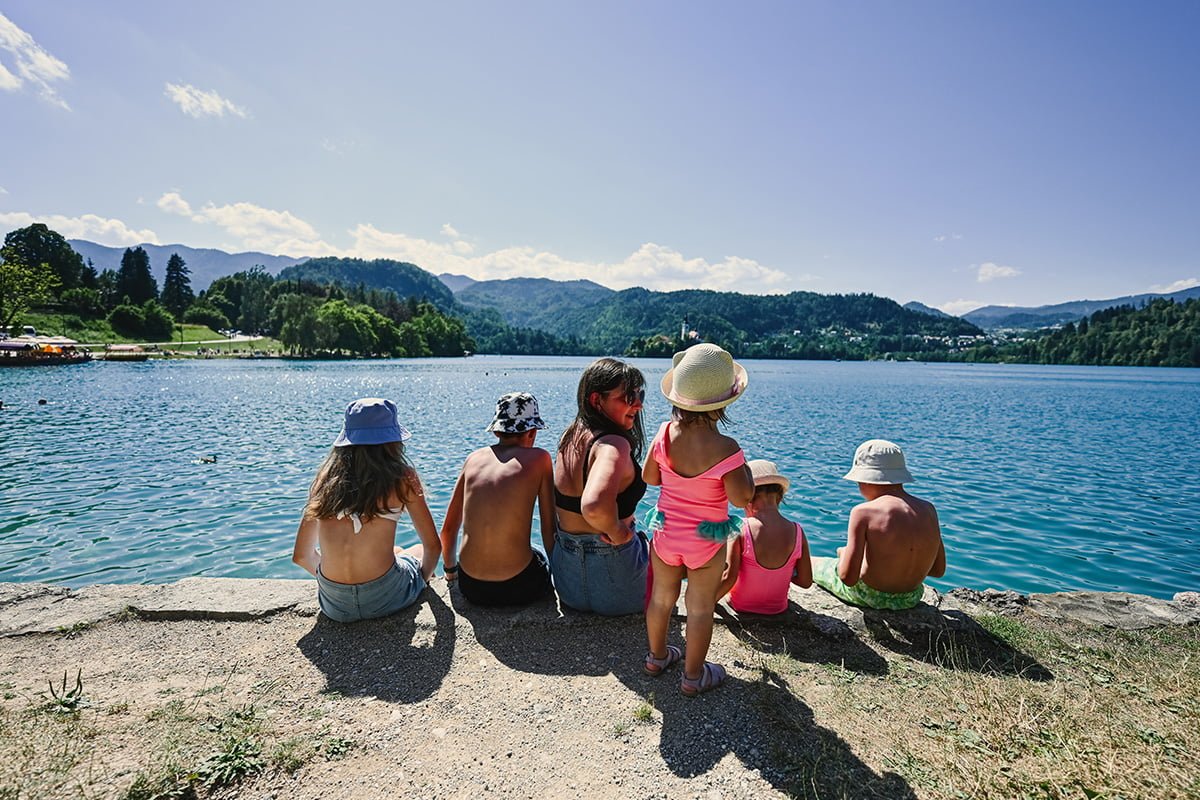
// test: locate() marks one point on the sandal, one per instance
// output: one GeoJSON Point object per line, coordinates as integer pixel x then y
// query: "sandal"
{"type": "Point", "coordinates": [712, 676]}
{"type": "Point", "coordinates": [657, 666]}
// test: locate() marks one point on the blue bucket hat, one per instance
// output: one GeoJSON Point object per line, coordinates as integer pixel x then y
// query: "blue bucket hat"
{"type": "Point", "coordinates": [371, 420]}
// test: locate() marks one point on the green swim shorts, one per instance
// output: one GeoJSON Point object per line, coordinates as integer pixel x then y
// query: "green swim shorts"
{"type": "Point", "coordinates": [825, 575]}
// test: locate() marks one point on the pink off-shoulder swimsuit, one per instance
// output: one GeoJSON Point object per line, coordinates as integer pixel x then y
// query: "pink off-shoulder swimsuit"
{"type": "Point", "coordinates": [686, 502]}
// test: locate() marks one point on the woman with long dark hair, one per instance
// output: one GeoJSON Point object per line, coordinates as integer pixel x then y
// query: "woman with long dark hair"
{"type": "Point", "coordinates": [599, 561]}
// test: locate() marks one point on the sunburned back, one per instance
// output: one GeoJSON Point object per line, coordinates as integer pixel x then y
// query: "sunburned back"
{"type": "Point", "coordinates": [500, 486]}
{"type": "Point", "coordinates": [903, 542]}
{"type": "Point", "coordinates": [349, 557]}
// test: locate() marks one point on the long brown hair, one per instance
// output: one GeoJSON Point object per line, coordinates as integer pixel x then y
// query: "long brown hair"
{"type": "Point", "coordinates": [360, 479]}
{"type": "Point", "coordinates": [604, 375]}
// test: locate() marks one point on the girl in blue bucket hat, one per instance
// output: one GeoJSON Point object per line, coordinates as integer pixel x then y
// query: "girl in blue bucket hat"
{"type": "Point", "coordinates": [347, 536]}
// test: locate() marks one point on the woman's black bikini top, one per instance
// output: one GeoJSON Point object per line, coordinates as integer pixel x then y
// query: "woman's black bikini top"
{"type": "Point", "coordinates": [627, 500]}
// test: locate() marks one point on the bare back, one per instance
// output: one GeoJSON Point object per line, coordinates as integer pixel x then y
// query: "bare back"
{"type": "Point", "coordinates": [500, 485]}
{"type": "Point", "coordinates": [901, 541]}
{"type": "Point", "coordinates": [354, 558]}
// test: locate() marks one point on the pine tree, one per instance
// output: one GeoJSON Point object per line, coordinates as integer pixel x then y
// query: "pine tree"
{"type": "Point", "coordinates": [177, 293]}
{"type": "Point", "coordinates": [134, 280]}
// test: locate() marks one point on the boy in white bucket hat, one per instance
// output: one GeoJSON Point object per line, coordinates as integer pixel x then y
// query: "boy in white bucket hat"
{"type": "Point", "coordinates": [893, 541]}
{"type": "Point", "coordinates": [493, 504]}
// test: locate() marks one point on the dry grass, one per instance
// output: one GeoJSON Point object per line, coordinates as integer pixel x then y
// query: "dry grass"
{"type": "Point", "coordinates": [997, 708]}
{"type": "Point", "coordinates": [1116, 717]}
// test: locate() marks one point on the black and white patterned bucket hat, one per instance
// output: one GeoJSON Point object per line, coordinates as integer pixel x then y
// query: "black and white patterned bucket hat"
{"type": "Point", "coordinates": [516, 412]}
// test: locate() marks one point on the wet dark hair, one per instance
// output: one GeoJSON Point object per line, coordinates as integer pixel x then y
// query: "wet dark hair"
{"type": "Point", "coordinates": [686, 418]}
{"type": "Point", "coordinates": [359, 479]}
{"type": "Point", "coordinates": [770, 488]}
{"type": "Point", "coordinates": [603, 375]}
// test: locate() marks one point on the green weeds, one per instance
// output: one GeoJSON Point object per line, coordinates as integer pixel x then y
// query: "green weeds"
{"type": "Point", "coordinates": [68, 700]}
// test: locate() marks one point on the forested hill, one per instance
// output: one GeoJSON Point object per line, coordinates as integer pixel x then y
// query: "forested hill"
{"type": "Point", "coordinates": [994, 317]}
{"type": "Point", "coordinates": [532, 302]}
{"type": "Point", "coordinates": [738, 320]}
{"type": "Point", "coordinates": [1162, 333]}
{"type": "Point", "coordinates": [406, 280]}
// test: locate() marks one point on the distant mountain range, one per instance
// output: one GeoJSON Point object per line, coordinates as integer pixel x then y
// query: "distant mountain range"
{"type": "Point", "coordinates": [996, 317]}
{"type": "Point", "coordinates": [206, 264]}
{"type": "Point", "coordinates": [538, 303]}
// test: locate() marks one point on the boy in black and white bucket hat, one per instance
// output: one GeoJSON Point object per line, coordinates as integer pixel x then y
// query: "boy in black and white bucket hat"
{"type": "Point", "coordinates": [493, 504]}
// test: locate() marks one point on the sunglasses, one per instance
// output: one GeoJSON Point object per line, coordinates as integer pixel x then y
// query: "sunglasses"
{"type": "Point", "coordinates": [633, 397]}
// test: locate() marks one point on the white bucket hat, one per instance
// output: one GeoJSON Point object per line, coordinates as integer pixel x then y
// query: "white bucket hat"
{"type": "Point", "coordinates": [703, 378]}
{"type": "Point", "coordinates": [766, 473]}
{"type": "Point", "coordinates": [879, 461]}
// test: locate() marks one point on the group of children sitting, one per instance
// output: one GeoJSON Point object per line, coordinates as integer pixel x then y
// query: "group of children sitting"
{"type": "Point", "coordinates": [893, 539]}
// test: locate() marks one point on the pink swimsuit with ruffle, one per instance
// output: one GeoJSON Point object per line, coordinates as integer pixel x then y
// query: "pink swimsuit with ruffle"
{"type": "Point", "coordinates": [687, 506]}
{"type": "Point", "coordinates": [760, 590]}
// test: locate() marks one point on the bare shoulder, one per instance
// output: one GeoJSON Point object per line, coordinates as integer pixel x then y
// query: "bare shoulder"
{"type": "Point", "coordinates": [923, 506]}
{"type": "Point", "coordinates": [618, 443]}
{"type": "Point", "coordinates": [727, 445]}
{"type": "Point", "coordinates": [541, 459]}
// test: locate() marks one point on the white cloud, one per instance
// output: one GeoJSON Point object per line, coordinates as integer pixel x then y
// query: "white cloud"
{"type": "Point", "coordinates": [942, 237]}
{"type": "Point", "coordinates": [651, 265]}
{"type": "Point", "coordinates": [173, 203]}
{"type": "Point", "coordinates": [111, 232]}
{"type": "Point", "coordinates": [3, 190]}
{"type": "Point", "coordinates": [253, 227]}
{"type": "Point", "coordinates": [1177, 286]}
{"type": "Point", "coordinates": [33, 64]}
{"type": "Point", "coordinates": [990, 272]}
{"type": "Point", "coordinates": [960, 307]}
{"type": "Point", "coordinates": [199, 103]}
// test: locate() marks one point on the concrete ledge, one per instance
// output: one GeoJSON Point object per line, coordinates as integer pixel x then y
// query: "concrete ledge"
{"type": "Point", "coordinates": [227, 598]}
{"type": "Point", "coordinates": [30, 608]}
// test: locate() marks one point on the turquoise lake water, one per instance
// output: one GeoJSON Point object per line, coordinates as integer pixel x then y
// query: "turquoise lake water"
{"type": "Point", "coordinates": [1046, 478]}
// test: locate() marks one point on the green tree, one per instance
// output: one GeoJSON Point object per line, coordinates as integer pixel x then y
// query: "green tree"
{"type": "Point", "coordinates": [134, 279]}
{"type": "Point", "coordinates": [38, 244]}
{"type": "Point", "coordinates": [22, 285]}
{"type": "Point", "coordinates": [294, 318]}
{"type": "Point", "coordinates": [342, 328]}
{"type": "Point", "coordinates": [157, 322]}
{"type": "Point", "coordinates": [177, 293]}
{"type": "Point", "coordinates": [127, 320]}
{"type": "Point", "coordinates": [204, 313]}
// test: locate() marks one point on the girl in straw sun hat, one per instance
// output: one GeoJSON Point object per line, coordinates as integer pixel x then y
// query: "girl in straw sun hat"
{"type": "Point", "coordinates": [701, 471]}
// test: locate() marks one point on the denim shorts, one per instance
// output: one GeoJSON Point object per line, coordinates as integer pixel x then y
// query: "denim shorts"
{"type": "Point", "coordinates": [592, 575]}
{"type": "Point", "coordinates": [397, 588]}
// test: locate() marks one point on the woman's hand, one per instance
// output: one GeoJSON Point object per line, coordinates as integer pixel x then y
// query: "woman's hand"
{"type": "Point", "coordinates": [623, 535]}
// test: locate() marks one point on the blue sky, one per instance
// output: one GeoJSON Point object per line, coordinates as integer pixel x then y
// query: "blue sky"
{"type": "Point", "coordinates": [956, 153]}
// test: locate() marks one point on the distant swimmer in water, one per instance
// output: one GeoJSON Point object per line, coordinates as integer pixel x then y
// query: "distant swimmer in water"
{"type": "Point", "coordinates": [42, 402]}
{"type": "Point", "coordinates": [208, 459]}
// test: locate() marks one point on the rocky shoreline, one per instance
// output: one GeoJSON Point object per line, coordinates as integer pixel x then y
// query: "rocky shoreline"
{"type": "Point", "coordinates": [447, 700]}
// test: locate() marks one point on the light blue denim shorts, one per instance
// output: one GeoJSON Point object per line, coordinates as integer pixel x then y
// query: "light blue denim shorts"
{"type": "Point", "coordinates": [397, 588]}
{"type": "Point", "coordinates": [592, 575]}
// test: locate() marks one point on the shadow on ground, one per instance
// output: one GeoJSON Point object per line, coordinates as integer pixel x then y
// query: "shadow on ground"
{"type": "Point", "coordinates": [951, 640]}
{"type": "Point", "coordinates": [767, 728]}
{"type": "Point", "coordinates": [538, 639]}
{"type": "Point", "coordinates": [805, 636]}
{"type": "Point", "coordinates": [393, 658]}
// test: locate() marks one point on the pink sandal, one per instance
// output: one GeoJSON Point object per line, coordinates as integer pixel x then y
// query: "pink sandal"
{"type": "Point", "coordinates": [657, 666]}
{"type": "Point", "coordinates": [712, 676]}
